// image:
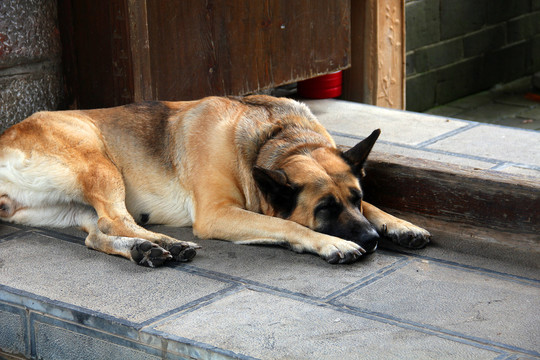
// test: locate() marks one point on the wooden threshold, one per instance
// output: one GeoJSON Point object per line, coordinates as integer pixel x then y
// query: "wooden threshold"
{"type": "Point", "coordinates": [456, 194]}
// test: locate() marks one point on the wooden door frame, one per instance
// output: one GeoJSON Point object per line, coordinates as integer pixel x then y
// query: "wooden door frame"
{"type": "Point", "coordinates": [377, 74]}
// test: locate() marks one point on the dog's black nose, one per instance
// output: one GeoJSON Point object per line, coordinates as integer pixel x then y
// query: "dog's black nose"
{"type": "Point", "coordinates": [369, 240]}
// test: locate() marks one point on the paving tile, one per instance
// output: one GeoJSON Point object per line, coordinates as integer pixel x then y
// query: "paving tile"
{"type": "Point", "coordinates": [270, 327]}
{"type": "Point", "coordinates": [445, 110]}
{"type": "Point", "coordinates": [397, 126]}
{"type": "Point", "coordinates": [465, 302]}
{"type": "Point", "coordinates": [420, 154]}
{"type": "Point", "coordinates": [466, 245]}
{"type": "Point", "coordinates": [516, 99]}
{"type": "Point", "coordinates": [518, 122]}
{"type": "Point", "coordinates": [490, 112]}
{"type": "Point", "coordinates": [521, 171]}
{"type": "Point", "coordinates": [469, 254]}
{"type": "Point", "coordinates": [531, 114]}
{"type": "Point", "coordinates": [473, 101]}
{"type": "Point", "coordinates": [279, 267]}
{"type": "Point", "coordinates": [501, 143]}
{"type": "Point", "coordinates": [6, 229]}
{"type": "Point", "coordinates": [107, 284]}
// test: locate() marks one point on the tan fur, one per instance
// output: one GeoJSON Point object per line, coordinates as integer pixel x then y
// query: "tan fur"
{"type": "Point", "coordinates": [182, 163]}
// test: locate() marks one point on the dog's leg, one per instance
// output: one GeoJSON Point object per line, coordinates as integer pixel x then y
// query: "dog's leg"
{"type": "Point", "coordinates": [104, 189]}
{"type": "Point", "coordinates": [245, 227]}
{"type": "Point", "coordinates": [399, 231]}
{"type": "Point", "coordinates": [141, 251]}
{"type": "Point", "coordinates": [43, 191]}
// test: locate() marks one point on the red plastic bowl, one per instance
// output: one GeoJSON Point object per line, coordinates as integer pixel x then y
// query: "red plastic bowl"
{"type": "Point", "coordinates": [321, 87]}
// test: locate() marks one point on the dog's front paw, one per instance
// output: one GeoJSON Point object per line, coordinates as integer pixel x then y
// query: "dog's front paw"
{"type": "Point", "coordinates": [184, 251]}
{"type": "Point", "coordinates": [406, 234]}
{"type": "Point", "coordinates": [342, 252]}
{"type": "Point", "coordinates": [146, 253]}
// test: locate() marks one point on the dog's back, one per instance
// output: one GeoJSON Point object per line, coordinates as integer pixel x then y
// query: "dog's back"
{"type": "Point", "coordinates": [161, 149]}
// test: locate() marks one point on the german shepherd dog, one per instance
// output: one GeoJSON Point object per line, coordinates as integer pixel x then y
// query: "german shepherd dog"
{"type": "Point", "coordinates": [253, 170]}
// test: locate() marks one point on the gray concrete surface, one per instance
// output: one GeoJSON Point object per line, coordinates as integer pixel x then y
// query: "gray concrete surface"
{"type": "Point", "coordinates": [60, 300]}
{"type": "Point", "coordinates": [452, 300]}
{"type": "Point", "coordinates": [506, 105]}
{"type": "Point", "coordinates": [445, 139]}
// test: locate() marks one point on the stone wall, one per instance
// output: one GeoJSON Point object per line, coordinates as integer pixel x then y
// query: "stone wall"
{"type": "Point", "coordinates": [460, 47]}
{"type": "Point", "coordinates": [30, 59]}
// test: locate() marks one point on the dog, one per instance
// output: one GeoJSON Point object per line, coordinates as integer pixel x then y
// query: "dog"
{"type": "Point", "coordinates": [252, 170]}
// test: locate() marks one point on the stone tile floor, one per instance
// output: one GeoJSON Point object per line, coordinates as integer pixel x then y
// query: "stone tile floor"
{"type": "Point", "coordinates": [445, 139]}
{"type": "Point", "coordinates": [509, 105]}
{"type": "Point", "coordinates": [60, 300]}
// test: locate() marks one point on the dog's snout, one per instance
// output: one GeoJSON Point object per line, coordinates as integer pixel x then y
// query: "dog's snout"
{"type": "Point", "coordinates": [369, 240]}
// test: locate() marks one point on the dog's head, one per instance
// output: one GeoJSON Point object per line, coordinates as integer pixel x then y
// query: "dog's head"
{"type": "Point", "coordinates": [320, 189]}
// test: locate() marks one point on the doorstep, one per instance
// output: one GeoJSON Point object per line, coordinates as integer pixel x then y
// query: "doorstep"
{"type": "Point", "coordinates": [470, 294]}
{"type": "Point", "coordinates": [461, 173]}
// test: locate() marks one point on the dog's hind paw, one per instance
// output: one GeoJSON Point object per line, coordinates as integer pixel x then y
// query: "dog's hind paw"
{"type": "Point", "coordinates": [183, 251]}
{"type": "Point", "coordinates": [407, 235]}
{"type": "Point", "coordinates": [146, 253]}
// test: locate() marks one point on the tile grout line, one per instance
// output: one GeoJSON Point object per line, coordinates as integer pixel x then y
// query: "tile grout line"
{"type": "Point", "coordinates": [506, 164]}
{"type": "Point", "coordinates": [334, 304]}
{"type": "Point", "coordinates": [252, 285]}
{"type": "Point", "coordinates": [481, 158]}
{"type": "Point", "coordinates": [446, 135]}
{"type": "Point", "coordinates": [469, 268]}
{"type": "Point", "coordinates": [413, 326]}
{"type": "Point", "coordinates": [434, 330]}
{"type": "Point", "coordinates": [239, 280]}
{"type": "Point", "coordinates": [369, 279]}
{"type": "Point", "coordinates": [191, 306]}
{"type": "Point", "coordinates": [500, 166]}
{"type": "Point", "coordinates": [59, 235]}
{"type": "Point", "coordinates": [394, 321]}
{"type": "Point", "coordinates": [494, 274]}
{"type": "Point", "coordinates": [496, 162]}
{"type": "Point", "coordinates": [413, 147]}
{"type": "Point", "coordinates": [14, 235]}
{"type": "Point", "coordinates": [35, 305]}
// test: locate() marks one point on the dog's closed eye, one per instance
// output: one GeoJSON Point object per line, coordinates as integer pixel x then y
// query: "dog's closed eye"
{"type": "Point", "coordinates": [328, 207]}
{"type": "Point", "coordinates": [356, 197]}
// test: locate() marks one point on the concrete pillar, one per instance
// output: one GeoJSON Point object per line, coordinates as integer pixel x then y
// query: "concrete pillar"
{"type": "Point", "coordinates": [30, 59]}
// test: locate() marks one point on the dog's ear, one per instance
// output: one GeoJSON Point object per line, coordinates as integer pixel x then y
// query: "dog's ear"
{"type": "Point", "coordinates": [277, 189]}
{"type": "Point", "coordinates": [357, 155]}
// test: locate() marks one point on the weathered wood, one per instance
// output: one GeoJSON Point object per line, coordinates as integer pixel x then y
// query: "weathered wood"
{"type": "Point", "coordinates": [354, 77]}
{"type": "Point", "coordinates": [237, 47]}
{"type": "Point", "coordinates": [390, 90]}
{"type": "Point", "coordinates": [132, 50]}
{"type": "Point", "coordinates": [453, 193]}
{"type": "Point", "coordinates": [377, 75]}
{"type": "Point", "coordinates": [140, 50]}
{"type": "Point", "coordinates": [102, 53]}
{"type": "Point", "coordinates": [505, 245]}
